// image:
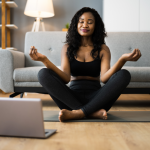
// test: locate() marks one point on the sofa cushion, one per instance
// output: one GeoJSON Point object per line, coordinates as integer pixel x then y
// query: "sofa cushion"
{"type": "Point", "coordinates": [27, 77]}
{"type": "Point", "coordinates": [138, 74]}
{"type": "Point", "coordinates": [29, 74]}
{"type": "Point", "coordinates": [30, 84]}
{"type": "Point", "coordinates": [37, 84]}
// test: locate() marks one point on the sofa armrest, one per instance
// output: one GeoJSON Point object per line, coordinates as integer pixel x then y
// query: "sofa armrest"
{"type": "Point", "coordinates": [9, 60]}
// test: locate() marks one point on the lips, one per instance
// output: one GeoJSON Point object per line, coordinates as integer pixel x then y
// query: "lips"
{"type": "Point", "coordinates": [84, 30]}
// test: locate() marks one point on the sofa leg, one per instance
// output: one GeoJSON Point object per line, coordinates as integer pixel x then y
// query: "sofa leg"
{"type": "Point", "coordinates": [21, 95]}
{"type": "Point", "coordinates": [15, 94]}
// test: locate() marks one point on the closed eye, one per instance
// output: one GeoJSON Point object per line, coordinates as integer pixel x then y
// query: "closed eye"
{"type": "Point", "coordinates": [83, 22]}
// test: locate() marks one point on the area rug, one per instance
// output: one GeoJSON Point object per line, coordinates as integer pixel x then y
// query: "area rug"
{"type": "Point", "coordinates": [112, 116]}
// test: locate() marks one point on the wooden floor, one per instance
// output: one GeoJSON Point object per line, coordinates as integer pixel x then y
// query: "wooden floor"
{"type": "Point", "coordinates": [89, 135]}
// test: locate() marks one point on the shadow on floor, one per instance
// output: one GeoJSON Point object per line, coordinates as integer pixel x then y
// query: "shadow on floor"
{"type": "Point", "coordinates": [121, 103]}
{"type": "Point", "coordinates": [48, 103]}
{"type": "Point", "coordinates": [132, 103]}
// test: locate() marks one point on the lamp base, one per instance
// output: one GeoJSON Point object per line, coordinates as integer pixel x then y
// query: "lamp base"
{"type": "Point", "coordinates": [36, 25]}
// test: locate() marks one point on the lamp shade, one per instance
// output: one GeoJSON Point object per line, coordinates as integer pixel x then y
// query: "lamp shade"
{"type": "Point", "coordinates": [39, 8]}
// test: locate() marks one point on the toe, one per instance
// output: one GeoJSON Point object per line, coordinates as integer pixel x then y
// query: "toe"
{"type": "Point", "coordinates": [60, 112]}
{"type": "Point", "coordinates": [104, 114]}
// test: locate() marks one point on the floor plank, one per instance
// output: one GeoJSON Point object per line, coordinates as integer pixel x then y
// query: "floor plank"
{"type": "Point", "coordinates": [89, 135]}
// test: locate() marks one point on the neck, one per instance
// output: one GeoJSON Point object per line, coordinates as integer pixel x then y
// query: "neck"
{"type": "Point", "coordinates": [86, 41]}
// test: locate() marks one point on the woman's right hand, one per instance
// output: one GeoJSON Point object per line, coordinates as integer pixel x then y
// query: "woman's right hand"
{"type": "Point", "coordinates": [34, 55]}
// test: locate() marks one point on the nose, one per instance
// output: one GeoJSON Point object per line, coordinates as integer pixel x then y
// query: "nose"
{"type": "Point", "coordinates": [85, 24]}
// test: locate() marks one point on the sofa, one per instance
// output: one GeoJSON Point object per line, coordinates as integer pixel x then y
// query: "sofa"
{"type": "Point", "coordinates": [18, 73]}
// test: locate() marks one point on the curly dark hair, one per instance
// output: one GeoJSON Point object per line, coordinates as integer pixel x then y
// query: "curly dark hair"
{"type": "Point", "coordinates": [73, 38]}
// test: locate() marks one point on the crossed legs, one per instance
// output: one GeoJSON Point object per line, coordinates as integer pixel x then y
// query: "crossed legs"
{"type": "Point", "coordinates": [72, 106]}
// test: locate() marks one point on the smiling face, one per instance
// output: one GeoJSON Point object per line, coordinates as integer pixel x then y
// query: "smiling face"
{"type": "Point", "coordinates": [86, 24]}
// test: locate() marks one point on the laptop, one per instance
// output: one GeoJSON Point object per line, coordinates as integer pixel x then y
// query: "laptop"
{"type": "Point", "coordinates": [22, 117]}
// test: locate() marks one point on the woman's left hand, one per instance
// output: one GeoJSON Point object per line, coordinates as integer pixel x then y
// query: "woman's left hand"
{"type": "Point", "coordinates": [134, 56]}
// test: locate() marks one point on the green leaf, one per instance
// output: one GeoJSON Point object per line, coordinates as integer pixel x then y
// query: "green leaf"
{"type": "Point", "coordinates": [67, 25]}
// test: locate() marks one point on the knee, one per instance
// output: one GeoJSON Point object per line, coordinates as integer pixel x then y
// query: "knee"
{"type": "Point", "coordinates": [42, 74]}
{"type": "Point", "coordinates": [126, 75]}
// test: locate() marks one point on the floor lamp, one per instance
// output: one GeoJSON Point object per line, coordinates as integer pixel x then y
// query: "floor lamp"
{"type": "Point", "coordinates": [39, 9]}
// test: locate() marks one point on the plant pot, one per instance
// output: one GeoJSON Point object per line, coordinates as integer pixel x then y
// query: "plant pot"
{"type": "Point", "coordinates": [64, 29]}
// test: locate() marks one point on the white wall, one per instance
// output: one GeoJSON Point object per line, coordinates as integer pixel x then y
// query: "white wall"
{"type": "Point", "coordinates": [126, 15]}
{"type": "Point", "coordinates": [145, 15]}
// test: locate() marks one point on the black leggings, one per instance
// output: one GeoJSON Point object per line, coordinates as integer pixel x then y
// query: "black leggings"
{"type": "Point", "coordinates": [87, 95]}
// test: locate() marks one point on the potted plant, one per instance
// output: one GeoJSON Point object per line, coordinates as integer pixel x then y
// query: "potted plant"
{"type": "Point", "coordinates": [67, 27]}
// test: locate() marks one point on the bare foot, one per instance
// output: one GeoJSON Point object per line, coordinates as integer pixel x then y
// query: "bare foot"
{"type": "Point", "coordinates": [65, 114]}
{"type": "Point", "coordinates": [101, 114]}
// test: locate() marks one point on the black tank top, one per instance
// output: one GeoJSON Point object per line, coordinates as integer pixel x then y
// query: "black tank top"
{"type": "Point", "coordinates": [91, 68]}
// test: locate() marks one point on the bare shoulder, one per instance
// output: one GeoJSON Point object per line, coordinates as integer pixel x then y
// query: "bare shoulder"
{"type": "Point", "coordinates": [66, 45]}
{"type": "Point", "coordinates": [104, 50]}
{"type": "Point", "coordinates": [64, 52]}
{"type": "Point", "coordinates": [64, 48]}
{"type": "Point", "coordinates": [65, 64]}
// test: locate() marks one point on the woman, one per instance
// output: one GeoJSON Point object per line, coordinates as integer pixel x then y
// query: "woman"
{"type": "Point", "coordinates": [84, 56]}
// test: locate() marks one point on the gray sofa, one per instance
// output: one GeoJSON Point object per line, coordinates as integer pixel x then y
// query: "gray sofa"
{"type": "Point", "coordinates": [18, 73]}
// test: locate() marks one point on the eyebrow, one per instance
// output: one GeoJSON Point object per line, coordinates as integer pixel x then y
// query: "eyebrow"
{"type": "Point", "coordinates": [83, 19]}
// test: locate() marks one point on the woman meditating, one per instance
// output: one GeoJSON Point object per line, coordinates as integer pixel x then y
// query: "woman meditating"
{"type": "Point", "coordinates": [83, 57]}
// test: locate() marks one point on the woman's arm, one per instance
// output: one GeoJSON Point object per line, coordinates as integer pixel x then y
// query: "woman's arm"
{"type": "Point", "coordinates": [40, 57]}
{"type": "Point", "coordinates": [106, 71]}
{"type": "Point", "coordinates": [60, 73]}
{"type": "Point", "coordinates": [116, 67]}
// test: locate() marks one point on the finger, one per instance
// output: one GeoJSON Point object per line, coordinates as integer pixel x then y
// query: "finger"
{"type": "Point", "coordinates": [33, 52]}
{"type": "Point", "coordinates": [134, 51]}
{"type": "Point", "coordinates": [34, 49]}
{"type": "Point", "coordinates": [136, 55]}
{"type": "Point", "coordinates": [31, 46]}
{"type": "Point", "coordinates": [136, 58]}
{"type": "Point", "coordinates": [132, 54]}
{"type": "Point", "coordinates": [139, 52]}
{"type": "Point", "coordinates": [33, 55]}
{"type": "Point", "coordinates": [36, 52]}
{"type": "Point", "coordinates": [30, 52]}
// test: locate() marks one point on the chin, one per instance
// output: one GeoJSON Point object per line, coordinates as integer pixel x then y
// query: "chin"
{"type": "Point", "coordinates": [85, 34]}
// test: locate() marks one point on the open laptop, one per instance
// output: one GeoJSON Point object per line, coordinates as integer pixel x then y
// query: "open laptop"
{"type": "Point", "coordinates": [22, 117]}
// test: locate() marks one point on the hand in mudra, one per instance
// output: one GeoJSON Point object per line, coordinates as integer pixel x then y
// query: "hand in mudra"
{"type": "Point", "coordinates": [35, 55]}
{"type": "Point", "coordinates": [134, 56]}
